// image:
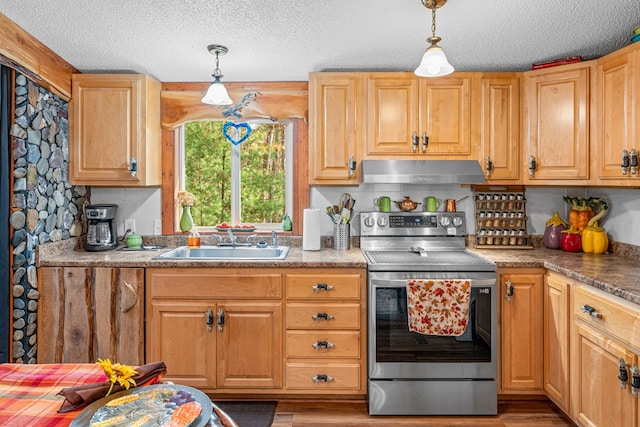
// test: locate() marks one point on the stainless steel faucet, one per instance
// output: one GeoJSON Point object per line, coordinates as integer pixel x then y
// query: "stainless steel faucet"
{"type": "Point", "coordinates": [232, 238]}
{"type": "Point", "coordinates": [274, 239]}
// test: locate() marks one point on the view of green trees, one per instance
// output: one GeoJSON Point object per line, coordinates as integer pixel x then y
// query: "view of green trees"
{"type": "Point", "coordinates": [208, 173]}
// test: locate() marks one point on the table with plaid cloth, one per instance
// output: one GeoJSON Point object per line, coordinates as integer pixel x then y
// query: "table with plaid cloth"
{"type": "Point", "coordinates": [29, 393]}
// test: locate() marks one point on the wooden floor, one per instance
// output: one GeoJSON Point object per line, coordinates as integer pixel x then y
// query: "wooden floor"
{"type": "Point", "coordinates": [354, 414]}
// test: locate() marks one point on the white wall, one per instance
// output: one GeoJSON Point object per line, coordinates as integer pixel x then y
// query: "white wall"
{"type": "Point", "coordinates": [622, 222]}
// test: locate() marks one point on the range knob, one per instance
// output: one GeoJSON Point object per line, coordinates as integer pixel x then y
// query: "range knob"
{"type": "Point", "coordinates": [382, 221]}
{"type": "Point", "coordinates": [457, 221]}
{"type": "Point", "coordinates": [369, 221]}
{"type": "Point", "coordinates": [445, 221]}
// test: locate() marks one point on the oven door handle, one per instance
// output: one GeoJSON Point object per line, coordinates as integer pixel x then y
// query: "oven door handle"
{"type": "Point", "coordinates": [400, 283]}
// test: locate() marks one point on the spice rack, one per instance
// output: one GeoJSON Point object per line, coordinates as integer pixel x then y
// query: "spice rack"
{"type": "Point", "coordinates": [501, 218]}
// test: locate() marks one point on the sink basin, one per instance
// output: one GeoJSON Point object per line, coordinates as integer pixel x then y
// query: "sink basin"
{"type": "Point", "coordinates": [225, 252]}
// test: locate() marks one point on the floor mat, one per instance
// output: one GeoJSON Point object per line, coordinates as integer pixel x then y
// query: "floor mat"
{"type": "Point", "coordinates": [249, 414]}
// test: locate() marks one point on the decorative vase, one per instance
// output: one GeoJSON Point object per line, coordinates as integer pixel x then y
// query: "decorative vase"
{"type": "Point", "coordinates": [186, 220]}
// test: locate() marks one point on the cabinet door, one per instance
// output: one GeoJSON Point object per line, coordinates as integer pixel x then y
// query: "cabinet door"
{"type": "Point", "coordinates": [618, 114]}
{"type": "Point", "coordinates": [115, 130]}
{"type": "Point", "coordinates": [249, 345]}
{"type": "Point", "coordinates": [445, 115]}
{"type": "Point", "coordinates": [557, 124]}
{"type": "Point", "coordinates": [556, 339]}
{"type": "Point", "coordinates": [392, 113]}
{"type": "Point", "coordinates": [499, 127]}
{"type": "Point", "coordinates": [86, 314]}
{"type": "Point", "coordinates": [521, 332]}
{"type": "Point", "coordinates": [600, 401]}
{"type": "Point", "coordinates": [183, 335]}
{"type": "Point", "coordinates": [336, 108]}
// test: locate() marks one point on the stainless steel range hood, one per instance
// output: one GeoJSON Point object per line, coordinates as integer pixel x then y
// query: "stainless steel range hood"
{"type": "Point", "coordinates": [422, 172]}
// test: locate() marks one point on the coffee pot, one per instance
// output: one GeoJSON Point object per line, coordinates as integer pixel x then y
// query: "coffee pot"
{"type": "Point", "coordinates": [102, 234]}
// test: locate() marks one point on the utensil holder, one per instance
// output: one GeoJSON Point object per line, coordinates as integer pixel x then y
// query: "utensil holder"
{"type": "Point", "coordinates": [341, 237]}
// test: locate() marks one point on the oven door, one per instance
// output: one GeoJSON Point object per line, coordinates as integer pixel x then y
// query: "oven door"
{"type": "Point", "coordinates": [397, 353]}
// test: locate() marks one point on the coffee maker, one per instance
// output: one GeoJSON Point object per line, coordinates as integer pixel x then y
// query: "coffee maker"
{"type": "Point", "coordinates": [102, 234]}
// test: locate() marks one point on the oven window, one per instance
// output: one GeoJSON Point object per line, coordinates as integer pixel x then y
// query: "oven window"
{"type": "Point", "coordinates": [395, 343]}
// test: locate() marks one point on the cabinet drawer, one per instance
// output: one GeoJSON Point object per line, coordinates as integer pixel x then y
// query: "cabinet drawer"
{"type": "Point", "coordinates": [339, 316]}
{"type": "Point", "coordinates": [210, 283]}
{"type": "Point", "coordinates": [323, 286]}
{"type": "Point", "coordinates": [330, 344]}
{"type": "Point", "coordinates": [338, 376]}
{"type": "Point", "coordinates": [618, 318]}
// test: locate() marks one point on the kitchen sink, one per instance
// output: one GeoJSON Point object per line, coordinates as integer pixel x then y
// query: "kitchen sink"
{"type": "Point", "coordinates": [225, 252]}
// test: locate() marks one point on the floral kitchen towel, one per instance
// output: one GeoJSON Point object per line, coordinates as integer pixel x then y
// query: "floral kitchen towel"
{"type": "Point", "coordinates": [438, 306]}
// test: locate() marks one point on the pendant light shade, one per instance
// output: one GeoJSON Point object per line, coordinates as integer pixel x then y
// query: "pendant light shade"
{"type": "Point", "coordinates": [434, 62]}
{"type": "Point", "coordinates": [217, 93]}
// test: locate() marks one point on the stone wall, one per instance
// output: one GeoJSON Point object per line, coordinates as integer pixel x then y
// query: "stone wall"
{"type": "Point", "coordinates": [45, 207]}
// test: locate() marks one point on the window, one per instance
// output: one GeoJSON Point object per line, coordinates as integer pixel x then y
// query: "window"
{"type": "Point", "coordinates": [243, 183]}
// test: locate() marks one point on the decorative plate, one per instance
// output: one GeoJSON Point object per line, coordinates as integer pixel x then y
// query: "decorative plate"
{"type": "Point", "coordinates": [155, 402]}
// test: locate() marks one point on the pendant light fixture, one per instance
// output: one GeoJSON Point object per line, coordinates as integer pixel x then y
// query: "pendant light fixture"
{"type": "Point", "coordinates": [217, 93]}
{"type": "Point", "coordinates": [434, 63]}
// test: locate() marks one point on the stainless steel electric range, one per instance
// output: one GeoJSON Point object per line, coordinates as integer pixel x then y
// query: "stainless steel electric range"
{"type": "Point", "coordinates": [416, 374]}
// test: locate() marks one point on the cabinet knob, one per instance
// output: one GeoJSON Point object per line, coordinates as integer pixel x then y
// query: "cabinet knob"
{"type": "Point", "coordinates": [321, 287]}
{"type": "Point", "coordinates": [510, 290]}
{"type": "Point", "coordinates": [209, 315]}
{"type": "Point", "coordinates": [533, 165]}
{"type": "Point", "coordinates": [133, 167]}
{"type": "Point", "coordinates": [323, 344]}
{"type": "Point", "coordinates": [220, 319]}
{"type": "Point", "coordinates": [626, 162]}
{"type": "Point", "coordinates": [488, 166]}
{"type": "Point", "coordinates": [591, 311]}
{"type": "Point", "coordinates": [623, 375]}
{"type": "Point", "coordinates": [322, 316]}
{"type": "Point", "coordinates": [635, 380]}
{"type": "Point", "coordinates": [634, 162]}
{"type": "Point", "coordinates": [352, 166]}
{"type": "Point", "coordinates": [321, 378]}
{"type": "Point", "coordinates": [425, 142]}
{"type": "Point", "coordinates": [414, 142]}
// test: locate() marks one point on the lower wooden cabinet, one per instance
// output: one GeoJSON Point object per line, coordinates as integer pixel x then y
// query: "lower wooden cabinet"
{"type": "Point", "coordinates": [520, 324]}
{"type": "Point", "coordinates": [90, 313]}
{"type": "Point", "coordinates": [604, 341]}
{"type": "Point", "coordinates": [326, 332]}
{"type": "Point", "coordinates": [216, 329]}
{"type": "Point", "coordinates": [557, 321]}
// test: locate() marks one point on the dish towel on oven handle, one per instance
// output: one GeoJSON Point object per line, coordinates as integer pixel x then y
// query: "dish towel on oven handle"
{"type": "Point", "coordinates": [438, 306]}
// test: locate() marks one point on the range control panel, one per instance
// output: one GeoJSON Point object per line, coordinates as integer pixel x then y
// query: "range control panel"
{"type": "Point", "coordinates": [412, 224]}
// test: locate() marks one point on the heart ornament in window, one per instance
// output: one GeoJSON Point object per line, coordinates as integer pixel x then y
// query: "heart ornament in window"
{"type": "Point", "coordinates": [237, 133]}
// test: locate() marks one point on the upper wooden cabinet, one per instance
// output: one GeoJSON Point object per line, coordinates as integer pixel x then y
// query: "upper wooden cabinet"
{"type": "Point", "coordinates": [556, 125]}
{"type": "Point", "coordinates": [115, 130]}
{"type": "Point", "coordinates": [616, 130]}
{"type": "Point", "coordinates": [336, 111]}
{"type": "Point", "coordinates": [411, 117]}
{"type": "Point", "coordinates": [498, 126]}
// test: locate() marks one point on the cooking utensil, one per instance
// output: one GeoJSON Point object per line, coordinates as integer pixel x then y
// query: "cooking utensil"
{"type": "Point", "coordinates": [407, 204]}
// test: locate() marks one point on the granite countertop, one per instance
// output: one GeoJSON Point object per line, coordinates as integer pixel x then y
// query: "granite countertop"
{"type": "Point", "coordinates": [614, 274]}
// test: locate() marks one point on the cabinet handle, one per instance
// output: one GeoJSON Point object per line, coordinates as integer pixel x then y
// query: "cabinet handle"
{"type": "Point", "coordinates": [623, 375]}
{"type": "Point", "coordinates": [322, 378]}
{"type": "Point", "coordinates": [135, 297]}
{"type": "Point", "coordinates": [133, 167]}
{"type": "Point", "coordinates": [488, 166]}
{"type": "Point", "coordinates": [220, 319]}
{"type": "Point", "coordinates": [414, 142]}
{"type": "Point", "coordinates": [533, 165]}
{"type": "Point", "coordinates": [322, 316]}
{"type": "Point", "coordinates": [626, 162]}
{"type": "Point", "coordinates": [321, 287]}
{"type": "Point", "coordinates": [635, 380]}
{"type": "Point", "coordinates": [591, 311]}
{"type": "Point", "coordinates": [425, 142]}
{"type": "Point", "coordinates": [323, 344]}
{"type": "Point", "coordinates": [510, 290]}
{"type": "Point", "coordinates": [352, 166]}
{"type": "Point", "coordinates": [209, 315]}
{"type": "Point", "coordinates": [634, 162]}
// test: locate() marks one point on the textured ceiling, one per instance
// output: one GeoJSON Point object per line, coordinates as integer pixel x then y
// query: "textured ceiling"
{"type": "Point", "coordinates": [280, 40]}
